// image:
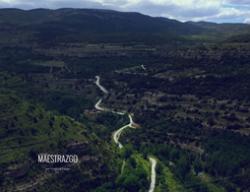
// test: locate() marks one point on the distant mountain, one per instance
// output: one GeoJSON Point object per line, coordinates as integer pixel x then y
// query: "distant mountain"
{"type": "Point", "coordinates": [93, 20]}
{"type": "Point", "coordinates": [93, 25]}
{"type": "Point", "coordinates": [225, 29]}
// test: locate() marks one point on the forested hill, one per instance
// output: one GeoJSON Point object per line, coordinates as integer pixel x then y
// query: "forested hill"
{"type": "Point", "coordinates": [93, 20]}
{"type": "Point", "coordinates": [87, 82]}
{"type": "Point", "coordinates": [90, 25]}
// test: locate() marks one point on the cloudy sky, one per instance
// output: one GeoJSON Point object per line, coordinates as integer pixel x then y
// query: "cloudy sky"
{"type": "Point", "coordinates": [183, 10]}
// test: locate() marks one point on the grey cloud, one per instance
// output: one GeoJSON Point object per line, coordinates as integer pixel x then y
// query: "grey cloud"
{"type": "Point", "coordinates": [148, 7]}
{"type": "Point", "coordinates": [172, 10]}
{"type": "Point", "coordinates": [52, 4]}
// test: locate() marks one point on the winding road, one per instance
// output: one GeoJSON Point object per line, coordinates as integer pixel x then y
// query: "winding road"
{"type": "Point", "coordinates": [99, 108]}
{"type": "Point", "coordinates": [117, 134]}
{"type": "Point", "coordinates": [153, 174]}
{"type": "Point", "coordinates": [97, 82]}
{"type": "Point", "coordinates": [143, 67]}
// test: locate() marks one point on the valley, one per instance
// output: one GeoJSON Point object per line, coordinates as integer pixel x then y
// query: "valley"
{"type": "Point", "coordinates": [153, 111]}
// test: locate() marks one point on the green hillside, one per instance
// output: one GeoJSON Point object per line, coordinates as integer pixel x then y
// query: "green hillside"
{"type": "Point", "coordinates": [177, 97]}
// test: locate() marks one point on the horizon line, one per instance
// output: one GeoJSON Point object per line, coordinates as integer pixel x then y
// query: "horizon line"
{"type": "Point", "coordinates": [119, 11]}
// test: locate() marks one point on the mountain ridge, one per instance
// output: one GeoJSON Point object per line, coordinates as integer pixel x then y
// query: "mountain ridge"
{"type": "Point", "coordinates": [98, 25]}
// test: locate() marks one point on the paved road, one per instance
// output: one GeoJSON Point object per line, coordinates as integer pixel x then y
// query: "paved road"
{"type": "Point", "coordinates": [117, 133]}
{"type": "Point", "coordinates": [143, 67]}
{"type": "Point", "coordinates": [97, 82]}
{"type": "Point", "coordinates": [153, 174]}
{"type": "Point", "coordinates": [98, 107]}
